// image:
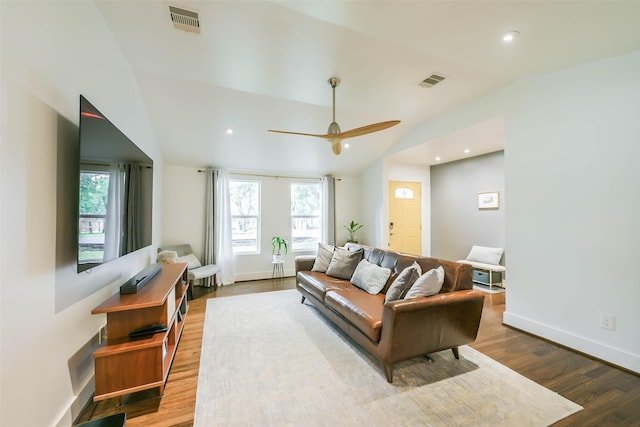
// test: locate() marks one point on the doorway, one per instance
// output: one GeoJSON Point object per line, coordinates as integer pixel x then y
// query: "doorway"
{"type": "Point", "coordinates": [405, 217]}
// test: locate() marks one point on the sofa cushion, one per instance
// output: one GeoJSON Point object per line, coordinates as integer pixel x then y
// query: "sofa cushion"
{"type": "Point", "coordinates": [428, 284]}
{"type": "Point", "coordinates": [325, 253]}
{"type": "Point", "coordinates": [317, 284]}
{"type": "Point", "coordinates": [343, 263]}
{"type": "Point", "coordinates": [362, 310]}
{"type": "Point", "coordinates": [403, 282]}
{"type": "Point", "coordinates": [370, 277]}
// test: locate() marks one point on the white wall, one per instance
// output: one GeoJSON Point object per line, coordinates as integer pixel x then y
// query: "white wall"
{"type": "Point", "coordinates": [183, 214]}
{"type": "Point", "coordinates": [374, 211]}
{"type": "Point", "coordinates": [51, 53]}
{"type": "Point", "coordinates": [571, 175]}
{"type": "Point", "coordinates": [348, 208]}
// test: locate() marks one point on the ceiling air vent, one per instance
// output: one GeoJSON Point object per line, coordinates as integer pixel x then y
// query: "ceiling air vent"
{"type": "Point", "coordinates": [185, 20]}
{"type": "Point", "coordinates": [431, 81]}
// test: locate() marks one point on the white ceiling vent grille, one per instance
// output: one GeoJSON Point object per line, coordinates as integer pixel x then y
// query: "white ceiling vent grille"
{"type": "Point", "coordinates": [185, 20]}
{"type": "Point", "coordinates": [431, 81]}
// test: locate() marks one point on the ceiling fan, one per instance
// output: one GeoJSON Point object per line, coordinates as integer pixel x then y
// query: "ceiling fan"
{"type": "Point", "coordinates": [334, 135]}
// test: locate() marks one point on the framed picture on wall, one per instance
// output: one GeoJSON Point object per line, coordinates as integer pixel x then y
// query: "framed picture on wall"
{"type": "Point", "coordinates": [489, 200]}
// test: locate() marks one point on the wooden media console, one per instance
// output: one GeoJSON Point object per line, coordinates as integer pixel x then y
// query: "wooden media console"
{"type": "Point", "coordinates": [126, 365]}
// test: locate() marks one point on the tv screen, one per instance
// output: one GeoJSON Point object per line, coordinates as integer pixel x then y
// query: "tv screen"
{"type": "Point", "coordinates": [116, 186]}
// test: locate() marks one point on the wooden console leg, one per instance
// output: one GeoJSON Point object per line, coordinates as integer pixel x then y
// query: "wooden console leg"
{"type": "Point", "coordinates": [388, 370]}
{"type": "Point", "coordinates": [456, 353]}
{"type": "Point", "coordinates": [302, 301]}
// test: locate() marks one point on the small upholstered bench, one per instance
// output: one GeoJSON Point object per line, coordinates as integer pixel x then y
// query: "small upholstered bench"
{"type": "Point", "coordinates": [486, 266]}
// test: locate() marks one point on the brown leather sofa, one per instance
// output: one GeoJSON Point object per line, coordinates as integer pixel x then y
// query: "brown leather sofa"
{"type": "Point", "coordinates": [403, 329]}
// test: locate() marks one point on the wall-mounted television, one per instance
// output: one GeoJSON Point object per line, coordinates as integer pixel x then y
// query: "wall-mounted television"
{"type": "Point", "coordinates": [116, 191]}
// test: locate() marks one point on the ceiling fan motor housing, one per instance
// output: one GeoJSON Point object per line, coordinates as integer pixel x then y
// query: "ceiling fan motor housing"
{"type": "Point", "coordinates": [334, 128]}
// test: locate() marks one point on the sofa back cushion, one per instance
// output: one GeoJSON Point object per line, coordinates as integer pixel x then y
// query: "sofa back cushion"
{"type": "Point", "coordinates": [457, 276]}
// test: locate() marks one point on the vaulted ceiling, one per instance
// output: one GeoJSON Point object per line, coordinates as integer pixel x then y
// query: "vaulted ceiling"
{"type": "Point", "coordinates": [258, 65]}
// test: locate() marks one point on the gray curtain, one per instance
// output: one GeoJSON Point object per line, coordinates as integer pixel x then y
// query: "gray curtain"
{"type": "Point", "coordinates": [208, 253]}
{"type": "Point", "coordinates": [218, 247]}
{"type": "Point", "coordinates": [329, 214]}
{"type": "Point", "coordinates": [132, 239]}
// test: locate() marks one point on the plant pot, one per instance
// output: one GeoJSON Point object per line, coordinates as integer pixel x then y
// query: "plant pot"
{"type": "Point", "coordinates": [277, 257]}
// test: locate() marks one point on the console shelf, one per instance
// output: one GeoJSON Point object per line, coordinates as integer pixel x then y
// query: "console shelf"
{"type": "Point", "coordinates": [125, 365]}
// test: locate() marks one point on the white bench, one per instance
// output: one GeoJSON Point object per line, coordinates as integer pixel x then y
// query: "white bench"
{"type": "Point", "coordinates": [485, 262]}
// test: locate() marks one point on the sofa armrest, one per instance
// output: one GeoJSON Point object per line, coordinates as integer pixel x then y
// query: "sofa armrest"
{"type": "Point", "coordinates": [304, 262]}
{"type": "Point", "coordinates": [426, 325]}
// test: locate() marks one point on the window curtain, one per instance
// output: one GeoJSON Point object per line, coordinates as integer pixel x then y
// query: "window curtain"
{"type": "Point", "coordinates": [217, 236]}
{"type": "Point", "coordinates": [113, 221]}
{"type": "Point", "coordinates": [329, 210]}
{"type": "Point", "coordinates": [133, 199]}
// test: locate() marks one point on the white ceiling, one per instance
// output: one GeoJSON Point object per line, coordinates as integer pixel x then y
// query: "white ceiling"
{"type": "Point", "coordinates": [261, 65]}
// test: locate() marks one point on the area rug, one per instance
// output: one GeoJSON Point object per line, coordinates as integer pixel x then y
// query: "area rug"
{"type": "Point", "coordinates": [268, 360]}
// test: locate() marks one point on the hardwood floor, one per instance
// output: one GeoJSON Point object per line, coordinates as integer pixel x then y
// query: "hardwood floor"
{"type": "Point", "coordinates": [610, 396]}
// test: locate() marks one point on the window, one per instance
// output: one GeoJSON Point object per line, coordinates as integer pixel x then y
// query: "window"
{"type": "Point", "coordinates": [94, 189]}
{"type": "Point", "coordinates": [306, 216]}
{"type": "Point", "coordinates": [244, 197]}
{"type": "Point", "coordinates": [403, 193]}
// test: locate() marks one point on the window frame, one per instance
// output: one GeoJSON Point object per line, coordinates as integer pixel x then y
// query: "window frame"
{"type": "Point", "coordinates": [257, 216]}
{"type": "Point", "coordinates": [319, 216]}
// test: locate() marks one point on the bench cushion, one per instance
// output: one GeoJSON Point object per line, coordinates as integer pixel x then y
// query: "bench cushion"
{"type": "Point", "coordinates": [483, 266]}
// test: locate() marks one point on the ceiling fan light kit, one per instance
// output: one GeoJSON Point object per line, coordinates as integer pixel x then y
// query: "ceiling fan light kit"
{"type": "Point", "coordinates": [334, 135]}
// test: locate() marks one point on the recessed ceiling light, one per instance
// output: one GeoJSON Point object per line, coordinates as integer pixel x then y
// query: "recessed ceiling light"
{"type": "Point", "coordinates": [229, 131]}
{"type": "Point", "coordinates": [510, 36]}
{"type": "Point", "coordinates": [346, 145]}
{"type": "Point", "coordinates": [438, 159]}
{"type": "Point", "coordinates": [467, 151]}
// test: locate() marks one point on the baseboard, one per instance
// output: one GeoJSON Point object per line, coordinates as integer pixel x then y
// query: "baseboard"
{"type": "Point", "coordinates": [260, 275]}
{"type": "Point", "coordinates": [589, 347]}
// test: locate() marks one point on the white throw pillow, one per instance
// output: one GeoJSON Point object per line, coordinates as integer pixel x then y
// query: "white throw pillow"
{"type": "Point", "coordinates": [191, 260]}
{"type": "Point", "coordinates": [167, 257]}
{"type": "Point", "coordinates": [370, 277]}
{"type": "Point", "coordinates": [428, 284]}
{"type": "Point", "coordinates": [485, 255]}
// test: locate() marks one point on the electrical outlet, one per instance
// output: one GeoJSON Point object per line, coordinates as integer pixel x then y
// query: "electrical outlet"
{"type": "Point", "coordinates": [102, 334]}
{"type": "Point", "coordinates": [608, 321]}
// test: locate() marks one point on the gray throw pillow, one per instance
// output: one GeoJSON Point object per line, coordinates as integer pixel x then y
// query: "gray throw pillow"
{"type": "Point", "coordinates": [403, 282]}
{"type": "Point", "coordinates": [370, 277]}
{"type": "Point", "coordinates": [325, 253]}
{"type": "Point", "coordinates": [428, 284]}
{"type": "Point", "coordinates": [344, 262]}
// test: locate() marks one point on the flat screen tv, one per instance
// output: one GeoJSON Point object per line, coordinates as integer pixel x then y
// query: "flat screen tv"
{"type": "Point", "coordinates": [116, 186]}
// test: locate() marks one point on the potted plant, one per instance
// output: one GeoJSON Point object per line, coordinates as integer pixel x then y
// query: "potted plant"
{"type": "Point", "coordinates": [279, 245]}
{"type": "Point", "coordinates": [352, 228]}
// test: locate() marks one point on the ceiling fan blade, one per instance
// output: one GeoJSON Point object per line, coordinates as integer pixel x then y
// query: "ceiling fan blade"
{"type": "Point", "coordinates": [366, 129]}
{"type": "Point", "coordinates": [300, 133]}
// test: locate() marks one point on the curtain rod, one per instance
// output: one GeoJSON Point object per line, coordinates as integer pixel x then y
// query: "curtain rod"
{"type": "Point", "coordinates": [269, 176]}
